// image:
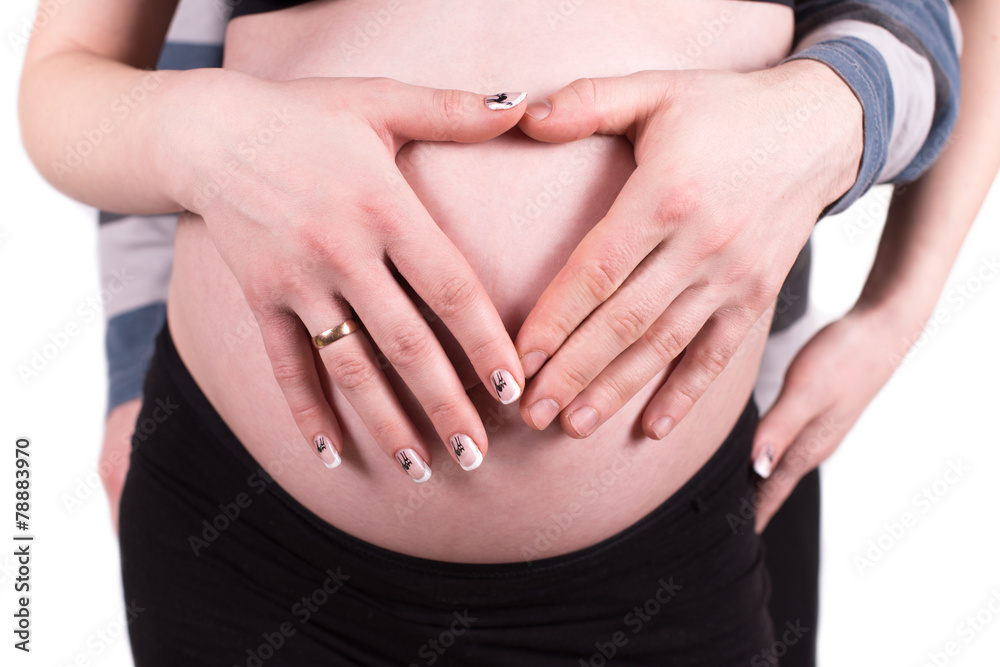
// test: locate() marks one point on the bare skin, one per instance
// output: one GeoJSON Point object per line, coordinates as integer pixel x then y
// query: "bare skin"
{"type": "Point", "coordinates": [491, 200]}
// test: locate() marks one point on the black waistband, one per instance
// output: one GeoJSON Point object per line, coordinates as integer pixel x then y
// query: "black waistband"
{"type": "Point", "coordinates": [686, 514]}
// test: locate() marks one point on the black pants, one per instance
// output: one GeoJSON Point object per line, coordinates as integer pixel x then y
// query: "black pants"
{"type": "Point", "coordinates": [228, 569]}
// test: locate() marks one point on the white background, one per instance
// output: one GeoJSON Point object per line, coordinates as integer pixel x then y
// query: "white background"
{"type": "Point", "coordinates": [940, 407]}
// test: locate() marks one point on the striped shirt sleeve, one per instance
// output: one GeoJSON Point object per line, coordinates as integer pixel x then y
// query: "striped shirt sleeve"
{"type": "Point", "coordinates": [141, 247]}
{"type": "Point", "coordinates": [901, 59]}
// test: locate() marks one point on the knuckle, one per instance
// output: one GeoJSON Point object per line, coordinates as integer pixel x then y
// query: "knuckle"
{"type": "Point", "coordinates": [627, 324]}
{"type": "Point", "coordinates": [617, 390]}
{"type": "Point", "coordinates": [307, 413]}
{"type": "Point", "coordinates": [713, 358]}
{"type": "Point", "coordinates": [260, 294]}
{"type": "Point", "coordinates": [385, 432]}
{"type": "Point", "coordinates": [452, 105]}
{"type": "Point", "coordinates": [445, 412]}
{"type": "Point", "coordinates": [289, 372]}
{"type": "Point", "coordinates": [409, 346]}
{"type": "Point", "coordinates": [679, 204]}
{"type": "Point", "coordinates": [353, 372]}
{"type": "Point", "coordinates": [453, 296]}
{"type": "Point", "coordinates": [687, 393]}
{"type": "Point", "coordinates": [598, 279]}
{"type": "Point", "coordinates": [575, 379]}
{"type": "Point", "coordinates": [665, 342]}
{"type": "Point", "coordinates": [586, 90]}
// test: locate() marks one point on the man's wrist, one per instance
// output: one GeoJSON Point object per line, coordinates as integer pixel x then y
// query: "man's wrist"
{"type": "Point", "coordinates": [825, 103]}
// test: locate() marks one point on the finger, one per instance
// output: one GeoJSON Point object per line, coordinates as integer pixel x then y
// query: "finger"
{"type": "Point", "coordinates": [431, 114]}
{"type": "Point", "coordinates": [439, 273]}
{"type": "Point", "coordinates": [812, 445]}
{"type": "Point", "coordinates": [772, 494]}
{"type": "Point", "coordinates": [411, 348]}
{"type": "Point", "coordinates": [705, 358]}
{"type": "Point", "coordinates": [632, 370]}
{"type": "Point", "coordinates": [598, 266]}
{"type": "Point", "coordinates": [613, 105]}
{"type": "Point", "coordinates": [354, 369]}
{"type": "Point", "coordinates": [777, 430]}
{"type": "Point", "coordinates": [290, 351]}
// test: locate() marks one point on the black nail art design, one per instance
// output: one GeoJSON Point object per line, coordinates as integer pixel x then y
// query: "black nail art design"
{"type": "Point", "coordinates": [502, 101]}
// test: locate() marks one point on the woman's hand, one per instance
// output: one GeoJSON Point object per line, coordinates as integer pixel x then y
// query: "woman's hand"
{"type": "Point", "coordinates": [300, 192]}
{"type": "Point", "coordinates": [732, 172]}
{"type": "Point", "coordinates": [829, 384]}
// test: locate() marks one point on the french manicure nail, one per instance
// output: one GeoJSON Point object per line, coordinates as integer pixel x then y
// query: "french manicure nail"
{"type": "Point", "coordinates": [763, 463]}
{"type": "Point", "coordinates": [539, 110]}
{"type": "Point", "coordinates": [543, 412]}
{"type": "Point", "coordinates": [662, 426]}
{"type": "Point", "coordinates": [532, 362]}
{"type": "Point", "coordinates": [466, 451]}
{"type": "Point", "coordinates": [502, 101]}
{"type": "Point", "coordinates": [584, 420]}
{"type": "Point", "coordinates": [413, 465]}
{"type": "Point", "coordinates": [326, 452]}
{"type": "Point", "coordinates": [504, 386]}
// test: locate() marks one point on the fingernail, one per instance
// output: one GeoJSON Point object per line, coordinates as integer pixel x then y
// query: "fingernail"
{"type": "Point", "coordinates": [505, 387]}
{"type": "Point", "coordinates": [502, 101]}
{"type": "Point", "coordinates": [584, 420]}
{"type": "Point", "coordinates": [764, 461]}
{"type": "Point", "coordinates": [326, 452]}
{"type": "Point", "coordinates": [466, 451]}
{"type": "Point", "coordinates": [543, 412]}
{"type": "Point", "coordinates": [532, 362]}
{"type": "Point", "coordinates": [662, 426]}
{"type": "Point", "coordinates": [539, 110]}
{"type": "Point", "coordinates": [413, 465]}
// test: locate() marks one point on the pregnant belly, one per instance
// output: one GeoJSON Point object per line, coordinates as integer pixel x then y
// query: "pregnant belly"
{"type": "Point", "coordinates": [516, 209]}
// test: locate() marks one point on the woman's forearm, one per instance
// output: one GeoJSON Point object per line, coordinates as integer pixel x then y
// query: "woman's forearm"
{"type": "Point", "coordinates": [88, 102]}
{"type": "Point", "coordinates": [929, 219]}
{"type": "Point", "coordinates": [95, 129]}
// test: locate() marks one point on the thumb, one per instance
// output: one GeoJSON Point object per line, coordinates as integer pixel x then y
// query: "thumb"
{"type": "Point", "coordinates": [612, 105]}
{"type": "Point", "coordinates": [434, 114]}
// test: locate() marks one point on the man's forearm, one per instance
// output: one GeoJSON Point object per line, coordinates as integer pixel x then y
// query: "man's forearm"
{"type": "Point", "coordinates": [902, 63]}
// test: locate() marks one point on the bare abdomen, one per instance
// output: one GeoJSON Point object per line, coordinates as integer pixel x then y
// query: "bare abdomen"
{"type": "Point", "coordinates": [516, 208]}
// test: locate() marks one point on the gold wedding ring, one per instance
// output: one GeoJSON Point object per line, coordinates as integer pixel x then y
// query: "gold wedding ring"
{"type": "Point", "coordinates": [345, 328]}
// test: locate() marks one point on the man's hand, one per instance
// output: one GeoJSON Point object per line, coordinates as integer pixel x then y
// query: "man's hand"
{"type": "Point", "coordinates": [732, 172]}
